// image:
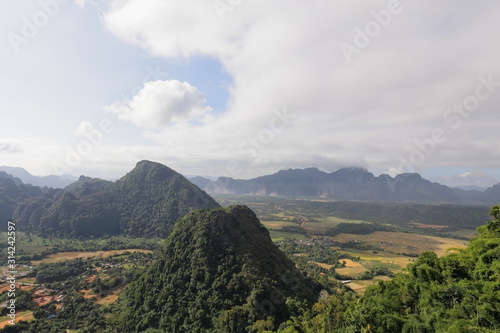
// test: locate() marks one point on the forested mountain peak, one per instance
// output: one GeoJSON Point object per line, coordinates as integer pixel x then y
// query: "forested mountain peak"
{"type": "Point", "coordinates": [152, 193]}
{"type": "Point", "coordinates": [218, 272]}
{"type": "Point", "coordinates": [148, 171]}
{"type": "Point", "coordinates": [145, 202]}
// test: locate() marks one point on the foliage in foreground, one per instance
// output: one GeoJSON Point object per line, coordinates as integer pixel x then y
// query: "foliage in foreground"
{"type": "Point", "coordinates": [459, 292]}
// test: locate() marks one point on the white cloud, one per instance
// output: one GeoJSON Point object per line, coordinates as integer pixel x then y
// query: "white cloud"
{"type": "Point", "coordinates": [84, 128]}
{"type": "Point", "coordinates": [160, 103]}
{"type": "Point", "coordinates": [82, 3]}
{"type": "Point", "coordinates": [471, 178]}
{"type": "Point", "coordinates": [286, 54]}
{"type": "Point", "coordinates": [10, 146]}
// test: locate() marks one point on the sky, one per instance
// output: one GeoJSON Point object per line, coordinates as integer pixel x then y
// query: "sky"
{"type": "Point", "coordinates": [243, 88]}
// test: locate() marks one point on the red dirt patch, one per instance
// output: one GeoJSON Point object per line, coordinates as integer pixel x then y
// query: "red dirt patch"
{"type": "Point", "coordinates": [25, 316]}
{"type": "Point", "coordinates": [87, 293]}
{"type": "Point", "coordinates": [426, 226]}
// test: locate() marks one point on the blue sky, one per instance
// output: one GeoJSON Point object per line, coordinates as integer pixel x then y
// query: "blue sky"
{"type": "Point", "coordinates": [247, 88]}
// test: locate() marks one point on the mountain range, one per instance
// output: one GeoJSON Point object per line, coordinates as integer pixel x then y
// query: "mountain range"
{"type": "Point", "coordinates": [344, 184]}
{"type": "Point", "coordinates": [349, 184]}
{"type": "Point", "coordinates": [42, 181]}
{"type": "Point", "coordinates": [145, 202]}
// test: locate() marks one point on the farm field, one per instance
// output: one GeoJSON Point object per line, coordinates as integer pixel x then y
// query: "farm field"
{"type": "Point", "coordinates": [359, 286]}
{"type": "Point", "coordinates": [352, 268]}
{"type": "Point", "coordinates": [113, 269]}
{"type": "Point", "coordinates": [277, 235]}
{"type": "Point", "coordinates": [399, 242]}
{"type": "Point", "coordinates": [323, 224]}
{"type": "Point", "coordinates": [382, 257]}
{"type": "Point", "coordinates": [394, 248]}
{"type": "Point", "coordinates": [63, 256]}
{"type": "Point", "coordinates": [21, 316]}
{"type": "Point", "coordinates": [278, 224]}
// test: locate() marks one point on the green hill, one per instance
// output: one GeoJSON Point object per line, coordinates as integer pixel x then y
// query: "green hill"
{"type": "Point", "coordinates": [152, 197]}
{"type": "Point", "coordinates": [219, 272]}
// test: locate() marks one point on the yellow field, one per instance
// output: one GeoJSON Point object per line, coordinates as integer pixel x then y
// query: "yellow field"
{"type": "Point", "coordinates": [325, 266]}
{"type": "Point", "coordinates": [63, 256]}
{"type": "Point", "coordinates": [383, 257]}
{"type": "Point", "coordinates": [352, 268]}
{"type": "Point", "coordinates": [400, 242]}
{"type": "Point", "coordinates": [278, 224]}
{"type": "Point", "coordinates": [359, 286]}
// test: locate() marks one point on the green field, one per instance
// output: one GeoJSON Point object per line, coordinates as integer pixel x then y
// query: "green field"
{"type": "Point", "coordinates": [399, 242]}
{"type": "Point", "coordinates": [280, 235]}
{"type": "Point", "coordinates": [323, 224]}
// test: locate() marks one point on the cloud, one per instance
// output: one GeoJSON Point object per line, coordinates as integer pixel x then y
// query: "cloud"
{"type": "Point", "coordinates": [84, 128]}
{"type": "Point", "coordinates": [10, 146]}
{"type": "Point", "coordinates": [161, 103]}
{"type": "Point", "coordinates": [473, 177]}
{"type": "Point", "coordinates": [368, 112]}
{"type": "Point", "coordinates": [82, 3]}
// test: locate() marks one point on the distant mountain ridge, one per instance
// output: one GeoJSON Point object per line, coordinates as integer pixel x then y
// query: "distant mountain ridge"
{"type": "Point", "coordinates": [145, 202]}
{"type": "Point", "coordinates": [28, 178]}
{"type": "Point", "coordinates": [349, 184]}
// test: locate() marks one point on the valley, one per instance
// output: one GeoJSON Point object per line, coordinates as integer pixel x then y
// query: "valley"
{"type": "Point", "coordinates": [118, 252]}
{"type": "Point", "coordinates": [374, 256]}
{"type": "Point", "coordinates": [292, 218]}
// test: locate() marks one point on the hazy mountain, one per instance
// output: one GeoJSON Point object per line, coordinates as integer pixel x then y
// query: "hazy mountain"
{"type": "Point", "coordinates": [471, 188]}
{"type": "Point", "coordinates": [28, 178]}
{"type": "Point", "coordinates": [16, 180]}
{"type": "Point", "coordinates": [343, 184]}
{"type": "Point", "coordinates": [145, 202]}
{"type": "Point", "coordinates": [491, 195]}
{"type": "Point", "coordinates": [218, 272]}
